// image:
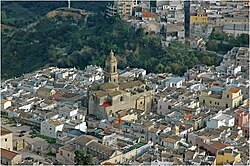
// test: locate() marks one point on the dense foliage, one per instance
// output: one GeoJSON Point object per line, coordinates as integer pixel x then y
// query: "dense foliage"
{"type": "Point", "coordinates": [222, 42]}
{"type": "Point", "coordinates": [81, 158]}
{"type": "Point", "coordinates": [66, 41]}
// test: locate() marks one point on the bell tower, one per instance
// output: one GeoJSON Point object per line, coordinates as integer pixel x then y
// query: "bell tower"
{"type": "Point", "coordinates": [110, 73]}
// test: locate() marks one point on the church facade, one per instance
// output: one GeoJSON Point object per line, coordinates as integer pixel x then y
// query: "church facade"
{"type": "Point", "coordinates": [108, 98]}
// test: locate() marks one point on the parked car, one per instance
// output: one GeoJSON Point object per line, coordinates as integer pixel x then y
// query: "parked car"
{"type": "Point", "coordinates": [33, 136]}
{"type": "Point", "coordinates": [29, 158]}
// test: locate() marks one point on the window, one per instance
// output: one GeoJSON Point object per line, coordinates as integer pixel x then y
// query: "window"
{"type": "Point", "coordinates": [160, 106]}
{"type": "Point", "coordinates": [210, 102]}
{"type": "Point", "coordinates": [141, 102]}
{"type": "Point", "coordinates": [226, 105]}
{"type": "Point", "coordinates": [6, 139]}
{"type": "Point", "coordinates": [204, 101]}
{"type": "Point", "coordinates": [121, 98]}
{"type": "Point", "coordinates": [114, 69]}
{"type": "Point", "coordinates": [227, 96]}
{"type": "Point", "coordinates": [50, 128]}
{"type": "Point", "coordinates": [218, 103]}
{"type": "Point", "coordinates": [169, 107]}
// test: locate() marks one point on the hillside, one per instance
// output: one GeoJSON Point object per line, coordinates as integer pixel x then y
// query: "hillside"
{"type": "Point", "coordinates": [68, 38]}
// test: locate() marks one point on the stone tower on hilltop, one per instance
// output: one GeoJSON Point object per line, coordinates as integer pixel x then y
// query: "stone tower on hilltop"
{"type": "Point", "coordinates": [110, 73]}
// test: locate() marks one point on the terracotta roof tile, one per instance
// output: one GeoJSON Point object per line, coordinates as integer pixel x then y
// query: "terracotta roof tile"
{"type": "Point", "coordinates": [5, 131]}
{"type": "Point", "coordinates": [3, 101]}
{"type": "Point", "coordinates": [148, 14]}
{"type": "Point", "coordinates": [55, 122]}
{"type": "Point", "coordinates": [233, 90]}
{"type": "Point", "coordinates": [219, 145]}
{"type": "Point", "coordinates": [7, 154]}
{"type": "Point", "coordinates": [239, 111]}
{"type": "Point", "coordinates": [187, 115]}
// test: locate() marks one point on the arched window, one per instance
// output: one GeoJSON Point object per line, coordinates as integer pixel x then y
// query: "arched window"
{"type": "Point", "coordinates": [114, 69]}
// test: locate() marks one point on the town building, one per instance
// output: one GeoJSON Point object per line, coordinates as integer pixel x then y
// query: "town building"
{"type": "Point", "coordinates": [50, 128]}
{"type": "Point", "coordinates": [227, 156]}
{"type": "Point", "coordinates": [111, 96]}
{"type": "Point", "coordinates": [224, 99]}
{"type": "Point", "coordinates": [241, 117]}
{"type": "Point", "coordinates": [123, 8]}
{"type": "Point", "coordinates": [6, 139]}
{"type": "Point", "coordinates": [10, 157]}
{"type": "Point", "coordinates": [5, 104]}
{"type": "Point", "coordinates": [45, 92]}
{"type": "Point", "coordinates": [220, 120]}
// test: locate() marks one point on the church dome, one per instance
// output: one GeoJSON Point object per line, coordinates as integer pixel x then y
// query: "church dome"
{"type": "Point", "coordinates": [111, 57]}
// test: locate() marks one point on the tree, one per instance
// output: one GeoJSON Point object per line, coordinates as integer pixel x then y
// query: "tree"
{"type": "Point", "coordinates": [81, 158]}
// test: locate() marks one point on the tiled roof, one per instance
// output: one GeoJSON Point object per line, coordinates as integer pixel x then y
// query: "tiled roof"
{"type": "Point", "coordinates": [83, 140]}
{"type": "Point", "coordinates": [219, 145]}
{"type": "Point", "coordinates": [55, 122]}
{"type": "Point", "coordinates": [108, 163]}
{"type": "Point", "coordinates": [239, 111]}
{"type": "Point", "coordinates": [5, 131]}
{"type": "Point", "coordinates": [131, 84]}
{"type": "Point", "coordinates": [101, 148]}
{"type": "Point", "coordinates": [3, 101]}
{"type": "Point", "coordinates": [233, 90]}
{"type": "Point", "coordinates": [7, 154]}
{"type": "Point", "coordinates": [148, 14]}
{"type": "Point", "coordinates": [108, 85]}
{"type": "Point", "coordinates": [42, 89]}
{"type": "Point", "coordinates": [171, 140]}
{"type": "Point", "coordinates": [187, 115]}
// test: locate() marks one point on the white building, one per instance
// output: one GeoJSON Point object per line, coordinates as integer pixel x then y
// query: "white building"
{"type": "Point", "coordinates": [220, 120]}
{"type": "Point", "coordinates": [164, 106]}
{"type": "Point", "coordinates": [62, 74]}
{"type": "Point", "coordinates": [77, 124]}
{"type": "Point", "coordinates": [51, 127]}
{"type": "Point", "coordinates": [67, 112]}
{"type": "Point", "coordinates": [5, 104]}
{"type": "Point", "coordinates": [173, 82]}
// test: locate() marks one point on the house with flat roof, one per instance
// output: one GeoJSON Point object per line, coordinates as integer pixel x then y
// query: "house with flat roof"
{"type": "Point", "coordinates": [220, 120]}
{"type": "Point", "coordinates": [50, 128]}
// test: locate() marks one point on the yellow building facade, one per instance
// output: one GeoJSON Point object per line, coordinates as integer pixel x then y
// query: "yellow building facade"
{"type": "Point", "coordinates": [229, 98]}
{"type": "Point", "coordinates": [227, 156]}
{"type": "Point", "coordinates": [198, 18]}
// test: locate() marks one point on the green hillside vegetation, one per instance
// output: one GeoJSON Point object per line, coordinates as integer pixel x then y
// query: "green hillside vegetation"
{"type": "Point", "coordinates": [68, 41]}
{"type": "Point", "coordinates": [222, 42]}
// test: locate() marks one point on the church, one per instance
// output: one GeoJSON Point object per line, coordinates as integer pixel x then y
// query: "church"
{"type": "Point", "coordinates": [113, 95]}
